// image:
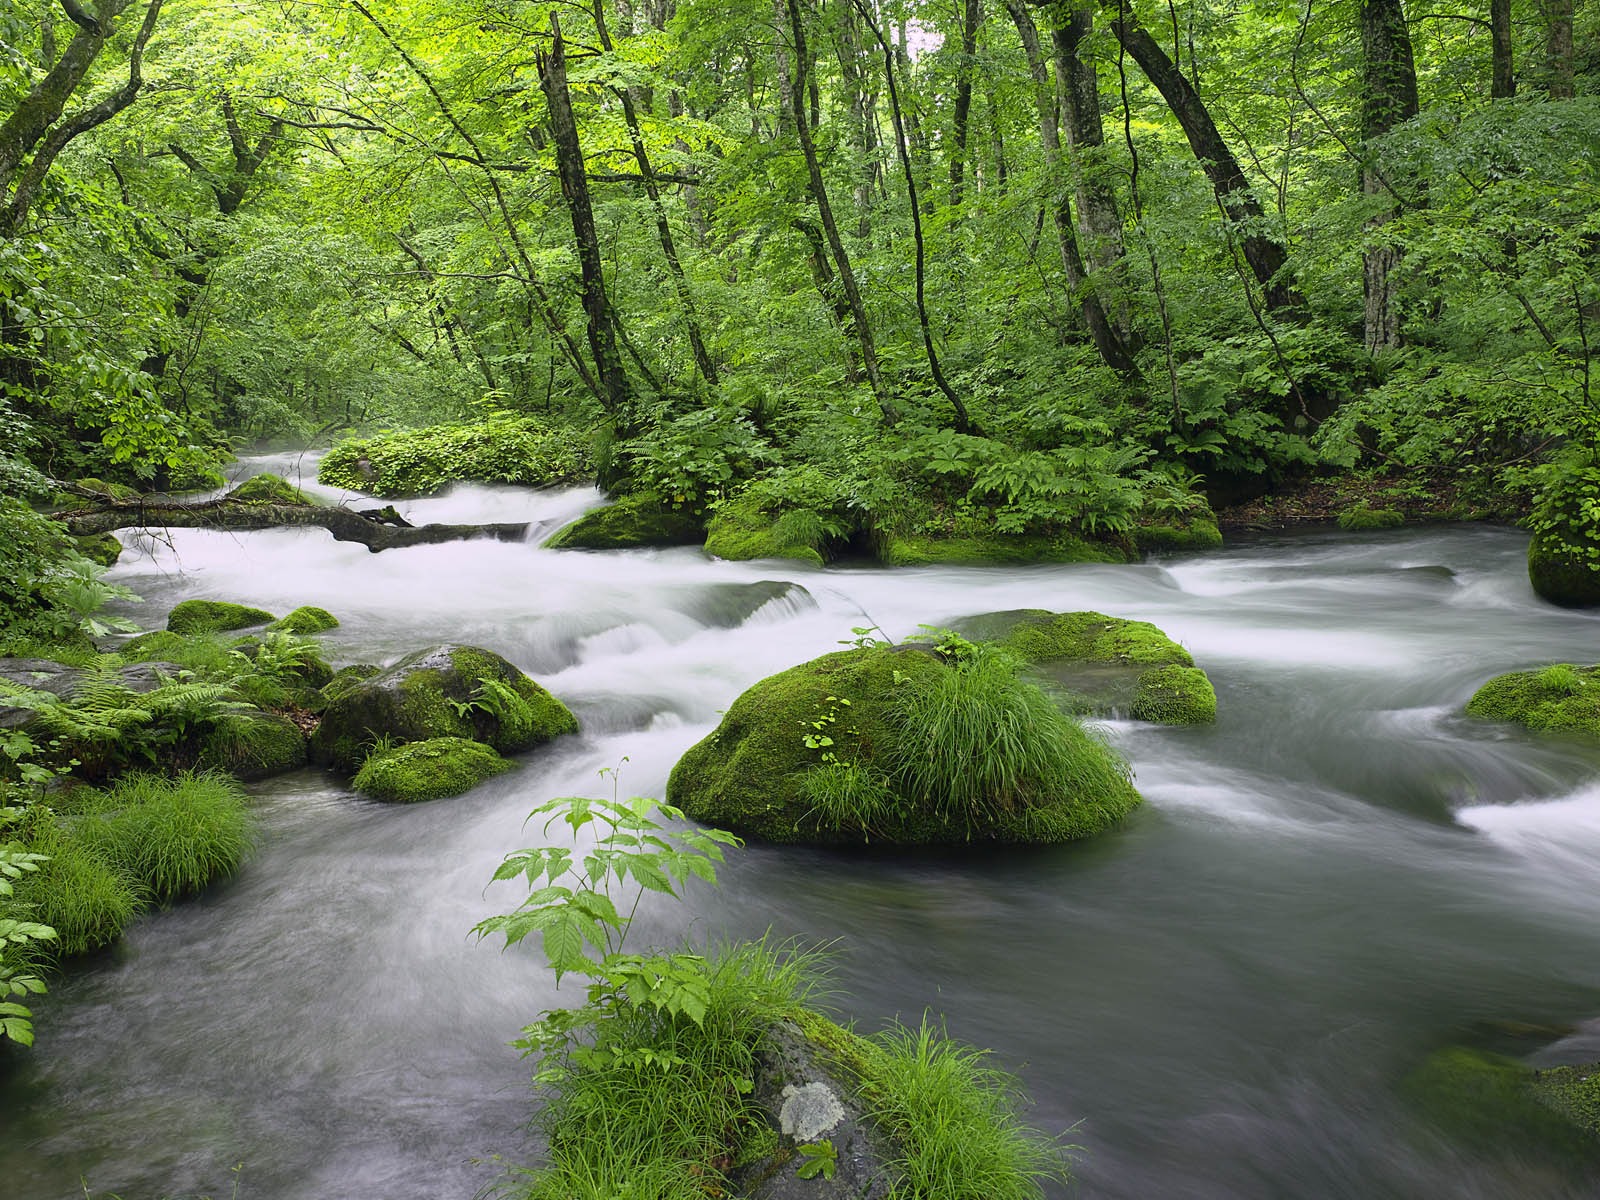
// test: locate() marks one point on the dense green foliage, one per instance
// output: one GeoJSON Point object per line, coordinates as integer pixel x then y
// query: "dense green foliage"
{"type": "Point", "coordinates": [503, 448]}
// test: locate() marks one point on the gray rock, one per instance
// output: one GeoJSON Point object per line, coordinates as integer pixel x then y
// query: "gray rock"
{"type": "Point", "coordinates": [46, 675]}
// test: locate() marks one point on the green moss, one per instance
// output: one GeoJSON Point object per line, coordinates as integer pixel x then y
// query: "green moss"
{"type": "Point", "coordinates": [1488, 1101]}
{"type": "Point", "coordinates": [344, 680]}
{"type": "Point", "coordinates": [637, 520]}
{"type": "Point", "coordinates": [253, 745]}
{"type": "Point", "coordinates": [1360, 517]}
{"type": "Point", "coordinates": [499, 449]}
{"type": "Point", "coordinates": [202, 653]}
{"type": "Point", "coordinates": [993, 550]}
{"type": "Point", "coordinates": [1561, 576]}
{"type": "Point", "coordinates": [1174, 695]}
{"type": "Point", "coordinates": [195, 479]}
{"type": "Point", "coordinates": [740, 530]}
{"type": "Point", "coordinates": [1193, 533]}
{"type": "Point", "coordinates": [268, 489]}
{"type": "Point", "coordinates": [307, 619]}
{"type": "Point", "coordinates": [901, 723]}
{"type": "Point", "coordinates": [1039, 636]}
{"type": "Point", "coordinates": [111, 491]}
{"type": "Point", "coordinates": [101, 548]}
{"type": "Point", "coordinates": [429, 770]}
{"type": "Point", "coordinates": [214, 616]}
{"type": "Point", "coordinates": [1558, 699]}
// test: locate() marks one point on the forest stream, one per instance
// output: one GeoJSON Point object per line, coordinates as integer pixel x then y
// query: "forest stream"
{"type": "Point", "coordinates": [1221, 1000]}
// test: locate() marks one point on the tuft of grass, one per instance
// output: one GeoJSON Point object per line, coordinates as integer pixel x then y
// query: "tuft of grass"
{"type": "Point", "coordinates": [174, 835]}
{"type": "Point", "coordinates": [85, 897]}
{"type": "Point", "coordinates": [957, 1120]}
{"type": "Point", "coordinates": [1562, 678]}
{"type": "Point", "coordinates": [849, 796]}
{"type": "Point", "coordinates": [978, 741]}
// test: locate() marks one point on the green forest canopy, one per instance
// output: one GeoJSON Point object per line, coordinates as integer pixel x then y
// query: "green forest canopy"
{"type": "Point", "coordinates": [1069, 255]}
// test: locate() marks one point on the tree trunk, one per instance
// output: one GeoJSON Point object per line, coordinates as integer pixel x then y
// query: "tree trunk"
{"type": "Point", "coordinates": [970, 14]}
{"type": "Point", "coordinates": [1389, 99]}
{"type": "Point", "coordinates": [785, 81]}
{"type": "Point", "coordinates": [819, 193]}
{"type": "Point", "coordinates": [1558, 49]}
{"type": "Point", "coordinates": [1112, 349]}
{"type": "Point", "coordinates": [1503, 83]}
{"type": "Point", "coordinates": [575, 190]}
{"type": "Point", "coordinates": [1265, 254]}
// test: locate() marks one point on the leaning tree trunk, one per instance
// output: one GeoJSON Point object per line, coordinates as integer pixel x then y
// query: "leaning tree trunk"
{"type": "Point", "coordinates": [1390, 99]}
{"type": "Point", "coordinates": [1266, 255]}
{"type": "Point", "coordinates": [575, 190]}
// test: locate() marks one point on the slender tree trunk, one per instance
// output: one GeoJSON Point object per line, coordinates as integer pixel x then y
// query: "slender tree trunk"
{"type": "Point", "coordinates": [1112, 349]}
{"type": "Point", "coordinates": [1558, 49]}
{"type": "Point", "coordinates": [1503, 82]}
{"type": "Point", "coordinates": [819, 193]}
{"type": "Point", "coordinates": [971, 12]}
{"type": "Point", "coordinates": [1389, 99]}
{"type": "Point", "coordinates": [785, 81]}
{"type": "Point", "coordinates": [669, 249]}
{"type": "Point", "coordinates": [575, 190]}
{"type": "Point", "coordinates": [1264, 253]}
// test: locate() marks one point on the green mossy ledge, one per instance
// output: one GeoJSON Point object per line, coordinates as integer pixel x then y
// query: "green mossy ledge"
{"type": "Point", "coordinates": [1489, 1101]}
{"type": "Point", "coordinates": [750, 774]}
{"type": "Point", "coordinates": [1562, 577]}
{"type": "Point", "coordinates": [1105, 665]}
{"type": "Point", "coordinates": [741, 530]}
{"type": "Point", "coordinates": [101, 548]}
{"type": "Point", "coordinates": [307, 619]}
{"type": "Point", "coordinates": [1558, 699]}
{"type": "Point", "coordinates": [267, 488]}
{"type": "Point", "coordinates": [214, 616]}
{"type": "Point", "coordinates": [633, 522]}
{"type": "Point", "coordinates": [252, 745]}
{"type": "Point", "coordinates": [992, 550]}
{"type": "Point", "coordinates": [437, 693]}
{"type": "Point", "coordinates": [428, 770]}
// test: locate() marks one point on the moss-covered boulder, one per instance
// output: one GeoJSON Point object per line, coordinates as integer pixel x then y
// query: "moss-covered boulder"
{"type": "Point", "coordinates": [429, 770]}
{"type": "Point", "coordinates": [214, 616]}
{"type": "Point", "coordinates": [1104, 665]}
{"type": "Point", "coordinates": [1192, 531]}
{"type": "Point", "coordinates": [267, 488]}
{"type": "Point", "coordinates": [344, 679]}
{"type": "Point", "coordinates": [191, 478]}
{"type": "Point", "coordinates": [905, 746]}
{"type": "Point", "coordinates": [445, 691]}
{"type": "Point", "coordinates": [632, 522]}
{"type": "Point", "coordinates": [1361, 517]}
{"type": "Point", "coordinates": [253, 745]}
{"type": "Point", "coordinates": [743, 528]}
{"type": "Point", "coordinates": [1562, 698]}
{"type": "Point", "coordinates": [1564, 573]}
{"type": "Point", "coordinates": [1492, 1102]}
{"type": "Point", "coordinates": [992, 549]}
{"type": "Point", "coordinates": [101, 548]}
{"type": "Point", "coordinates": [307, 619]}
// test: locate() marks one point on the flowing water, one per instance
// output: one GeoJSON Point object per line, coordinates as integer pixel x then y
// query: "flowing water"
{"type": "Point", "coordinates": [1220, 999]}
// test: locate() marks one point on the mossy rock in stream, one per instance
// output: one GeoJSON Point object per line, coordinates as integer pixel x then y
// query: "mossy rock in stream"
{"type": "Point", "coordinates": [1195, 530]}
{"type": "Point", "coordinates": [741, 529]}
{"type": "Point", "coordinates": [1490, 1102]}
{"type": "Point", "coordinates": [428, 770]}
{"type": "Point", "coordinates": [1104, 665]}
{"type": "Point", "coordinates": [267, 488]}
{"type": "Point", "coordinates": [101, 548]}
{"type": "Point", "coordinates": [1563, 574]}
{"type": "Point", "coordinates": [635, 521]}
{"type": "Point", "coordinates": [307, 619]}
{"type": "Point", "coordinates": [993, 550]}
{"type": "Point", "coordinates": [901, 746]}
{"type": "Point", "coordinates": [1562, 698]}
{"type": "Point", "coordinates": [214, 616]}
{"type": "Point", "coordinates": [444, 691]}
{"type": "Point", "coordinates": [253, 745]}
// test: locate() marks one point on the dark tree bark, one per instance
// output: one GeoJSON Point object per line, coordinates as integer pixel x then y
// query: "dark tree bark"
{"type": "Point", "coordinates": [828, 286]}
{"type": "Point", "coordinates": [819, 193]}
{"type": "Point", "coordinates": [1264, 253]}
{"type": "Point", "coordinates": [1558, 50]}
{"type": "Point", "coordinates": [1107, 340]}
{"type": "Point", "coordinates": [971, 13]}
{"type": "Point", "coordinates": [1390, 99]}
{"type": "Point", "coordinates": [1503, 82]}
{"type": "Point", "coordinates": [575, 191]}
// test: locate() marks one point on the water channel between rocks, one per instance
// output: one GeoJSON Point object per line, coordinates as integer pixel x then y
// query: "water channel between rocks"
{"type": "Point", "coordinates": [1219, 999]}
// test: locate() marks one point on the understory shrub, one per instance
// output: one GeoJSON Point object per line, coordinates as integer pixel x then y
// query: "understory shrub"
{"type": "Point", "coordinates": [173, 835]}
{"type": "Point", "coordinates": [502, 448]}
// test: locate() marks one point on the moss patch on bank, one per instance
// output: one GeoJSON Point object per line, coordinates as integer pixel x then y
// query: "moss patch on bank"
{"type": "Point", "coordinates": [1562, 698]}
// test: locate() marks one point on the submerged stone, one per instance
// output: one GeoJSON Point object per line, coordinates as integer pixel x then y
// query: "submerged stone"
{"type": "Point", "coordinates": [1561, 574]}
{"type": "Point", "coordinates": [445, 691]}
{"type": "Point", "coordinates": [1489, 1101]}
